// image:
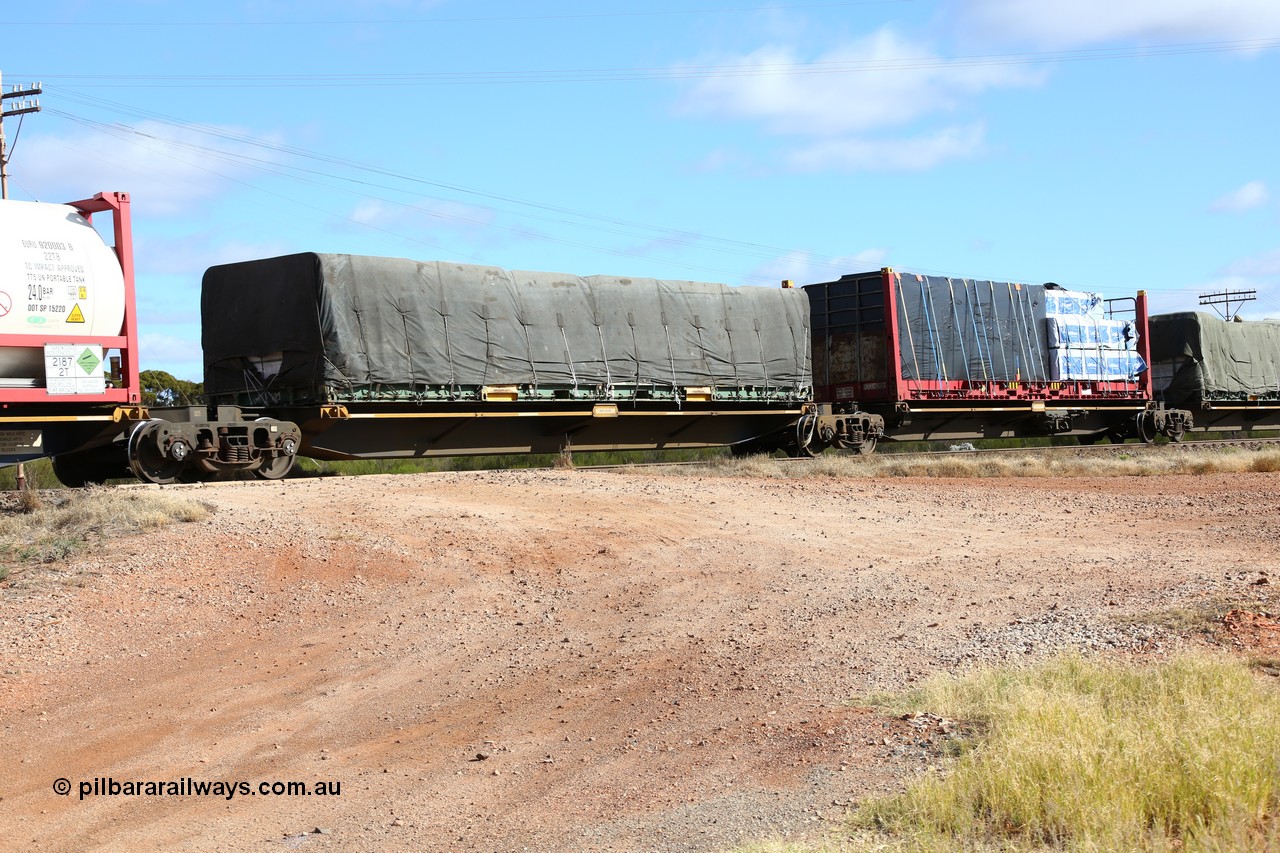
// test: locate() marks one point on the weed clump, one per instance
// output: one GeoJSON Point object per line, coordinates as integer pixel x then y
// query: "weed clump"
{"type": "Point", "coordinates": [62, 522]}
{"type": "Point", "coordinates": [1083, 754]}
{"type": "Point", "coordinates": [974, 466]}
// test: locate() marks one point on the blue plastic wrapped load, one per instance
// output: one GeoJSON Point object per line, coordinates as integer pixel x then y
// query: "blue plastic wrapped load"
{"type": "Point", "coordinates": [980, 331]}
{"type": "Point", "coordinates": [1085, 345]}
{"type": "Point", "coordinates": [1088, 332]}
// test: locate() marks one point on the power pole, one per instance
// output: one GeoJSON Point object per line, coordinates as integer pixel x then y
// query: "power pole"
{"type": "Point", "coordinates": [1225, 298]}
{"type": "Point", "coordinates": [21, 107]}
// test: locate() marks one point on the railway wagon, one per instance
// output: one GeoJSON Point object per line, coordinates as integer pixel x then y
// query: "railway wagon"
{"type": "Point", "coordinates": [389, 357]}
{"type": "Point", "coordinates": [908, 357]}
{"type": "Point", "coordinates": [69, 383]}
{"type": "Point", "coordinates": [1227, 373]}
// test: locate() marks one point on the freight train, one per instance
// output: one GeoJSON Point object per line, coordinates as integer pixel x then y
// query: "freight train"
{"type": "Point", "coordinates": [917, 357]}
{"type": "Point", "coordinates": [347, 357]}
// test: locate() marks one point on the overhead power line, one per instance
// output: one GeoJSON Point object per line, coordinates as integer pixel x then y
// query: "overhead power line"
{"type": "Point", "coordinates": [21, 101]}
{"type": "Point", "coordinates": [639, 13]}
{"type": "Point", "coordinates": [607, 223]}
{"type": "Point", "coordinates": [643, 73]}
{"type": "Point", "coordinates": [1227, 298]}
{"type": "Point", "coordinates": [666, 236]}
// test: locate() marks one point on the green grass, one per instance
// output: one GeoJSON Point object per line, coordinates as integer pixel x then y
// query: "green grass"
{"type": "Point", "coordinates": [39, 474]}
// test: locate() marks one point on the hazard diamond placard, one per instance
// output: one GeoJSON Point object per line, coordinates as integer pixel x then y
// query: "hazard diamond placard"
{"type": "Point", "coordinates": [73, 369]}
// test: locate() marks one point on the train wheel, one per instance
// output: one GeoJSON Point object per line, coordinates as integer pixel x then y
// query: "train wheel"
{"type": "Point", "coordinates": [867, 447]}
{"type": "Point", "coordinates": [148, 462]}
{"type": "Point", "coordinates": [277, 467]}
{"type": "Point", "coordinates": [1145, 427]}
{"type": "Point", "coordinates": [1177, 432]}
{"type": "Point", "coordinates": [805, 443]}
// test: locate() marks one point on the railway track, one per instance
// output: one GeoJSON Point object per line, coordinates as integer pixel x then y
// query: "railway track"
{"type": "Point", "coordinates": [1064, 449]}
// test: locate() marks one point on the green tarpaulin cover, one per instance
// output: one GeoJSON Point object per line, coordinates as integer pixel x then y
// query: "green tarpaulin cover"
{"type": "Point", "coordinates": [338, 325]}
{"type": "Point", "coordinates": [1198, 357]}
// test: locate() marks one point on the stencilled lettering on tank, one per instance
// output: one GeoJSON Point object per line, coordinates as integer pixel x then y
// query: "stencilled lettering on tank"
{"type": "Point", "coordinates": [55, 275]}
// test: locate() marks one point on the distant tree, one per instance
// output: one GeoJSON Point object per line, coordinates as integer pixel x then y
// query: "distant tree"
{"type": "Point", "coordinates": [162, 389]}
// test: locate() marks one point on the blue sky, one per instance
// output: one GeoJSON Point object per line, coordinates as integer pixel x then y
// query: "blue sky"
{"type": "Point", "coordinates": [1110, 146]}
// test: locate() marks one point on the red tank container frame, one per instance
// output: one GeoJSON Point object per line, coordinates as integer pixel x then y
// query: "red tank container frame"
{"type": "Point", "coordinates": [124, 386]}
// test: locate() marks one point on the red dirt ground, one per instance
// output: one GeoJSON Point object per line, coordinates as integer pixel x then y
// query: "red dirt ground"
{"type": "Point", "coordinates": [568, 660]}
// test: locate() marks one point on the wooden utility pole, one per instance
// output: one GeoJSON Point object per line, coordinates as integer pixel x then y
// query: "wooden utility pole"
{"type": "Point", "coordinates": [21, 107]}
{"type": "Point", "coordinates": [1227, 297]}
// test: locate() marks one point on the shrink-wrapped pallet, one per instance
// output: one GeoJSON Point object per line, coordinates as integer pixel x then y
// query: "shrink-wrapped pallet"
{"type": "Point", "coordinates": [1083, 343]}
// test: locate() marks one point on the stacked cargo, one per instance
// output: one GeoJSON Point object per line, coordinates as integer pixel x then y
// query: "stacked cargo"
{"type": "Point", "coordinates": [1083, 344]}
{"type": "Point", "coordinates": [986, 331]}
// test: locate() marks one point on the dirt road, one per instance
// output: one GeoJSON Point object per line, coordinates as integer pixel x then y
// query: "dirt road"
{"type": "Point", "coordinates": [564, 660]}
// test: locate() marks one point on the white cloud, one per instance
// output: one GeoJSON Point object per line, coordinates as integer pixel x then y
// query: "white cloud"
{"type": "Point", "coordinates": [190, 255]}
{"type": "Point", "coordinates": [1248, 197]}
{"type": "Point", "coordinates": [430, 214]}
{"type": "Point", "coordinates": [163, 168]}
{"type": "Point", "coordinates": [1259, 273]}
{"type": "Point", "coordinates": [1072, 23]}
{"type": "Point", "coordinates": [169, 348]}
{"type": "Point", "coordinates": [844, 104]}
{"type": "Point", "coordinates": [879, 81]}
{"type": "Point", "coordinates": [804, 268]}
{"type": "Point", "coordinates": [913, 154]}
{"type": "Point", "coordinates": [178, 355]}
{"type": "Point", "coordinates": [721, 158]}
{"type": "Point", "coordinates": [1264, 264]}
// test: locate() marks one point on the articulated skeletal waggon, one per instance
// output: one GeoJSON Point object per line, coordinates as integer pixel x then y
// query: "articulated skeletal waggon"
{"type": "Point", "coordinates": [387, 357]}
{"type": "Point", "coordinates": [69, 362]}
{"type": "Point", "coordinates": [907, 357]}
{"type": "Point", "coordinates": [348, 357]}
{"type": "Point", "coordinates": [345, 357]}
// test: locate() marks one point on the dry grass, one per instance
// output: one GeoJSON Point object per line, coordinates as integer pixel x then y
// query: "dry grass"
{"type": "Point", "coordinates": [1091, 755]}
{"type": "Point", "coordinates": [65, 521]}
{"type": "Point", "coordinates": [1138, 463]}
{"type": "Point", "coordinates": [1094, 755]}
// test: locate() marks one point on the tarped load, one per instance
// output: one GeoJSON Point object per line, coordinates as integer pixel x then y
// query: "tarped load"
{"type": "Point", "coordinates": [1198, 357]}
{"type": "Point", "coordinates": [339, 327]}
{"type": "Point", "coordinates": [979, 331]}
